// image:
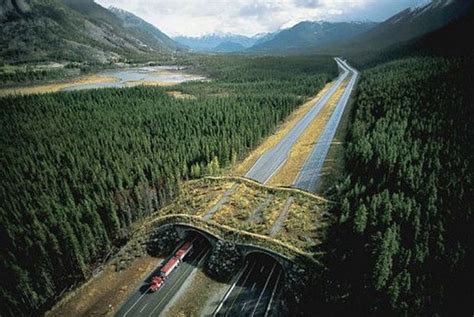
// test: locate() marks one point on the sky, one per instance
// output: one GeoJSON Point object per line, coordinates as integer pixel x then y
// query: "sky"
{"type": "Point", "coordinates": [250, 17]}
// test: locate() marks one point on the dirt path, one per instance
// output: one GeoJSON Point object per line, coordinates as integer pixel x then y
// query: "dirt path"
{"type": "Point", "coordinates": [281, 218]}
{"type": "Point", "coordinates": [221, 202]}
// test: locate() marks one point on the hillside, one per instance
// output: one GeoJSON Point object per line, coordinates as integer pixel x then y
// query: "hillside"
{"type": "Point", "coordinates": [449, 40]}
{"type": "Point", "coordinates": [147, 31]}
{"type": "Point", "coordinates": [408, 24]}
{"type": "Point", "coordinates": [71, 30]}
{"type": "Point", "coordinates": [228, 47]}
{"type": "Point", "coordinates": [312, 35]}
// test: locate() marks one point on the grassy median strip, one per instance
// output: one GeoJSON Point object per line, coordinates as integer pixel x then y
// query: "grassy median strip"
{"type": "Point", "coordinates": [271, 141]}
{"type": "Point", "coordinates": [333, 167]}
{"type": "Point", "coordinates": [305, 143]}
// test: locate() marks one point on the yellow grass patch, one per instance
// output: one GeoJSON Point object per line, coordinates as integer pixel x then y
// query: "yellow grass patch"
{"type": "Point", "coordinates": [197, 197]}
{"type": "Point", "coordinates": [180, 95]}
{"type": "Point", "coordinates": [198, 200]}
{"type": "Point", "coordinates": [271, 141]}
{"type": "Point", "coordinates": [54, 87]}
{"type": "Point", "coordinates": [272, 212]}
{"type": "Point", "coordinates": [303, 225]}
{"type": "Point", "coordinates": [102, 295]}
{"type": "Point", "coordinates": [240, 205]}
{"type": "Point", "coordinates": [133, 83]}
{"type": "Point", "coordinates": [304, 145]}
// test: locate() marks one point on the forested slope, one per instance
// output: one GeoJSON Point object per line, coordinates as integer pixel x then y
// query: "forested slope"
{"type": "Point", "coordinates": [448, 41]}
{"type": "Point", "coordinates": [401, 240]}
{"type": "Point", "coordinates": [79, 168]}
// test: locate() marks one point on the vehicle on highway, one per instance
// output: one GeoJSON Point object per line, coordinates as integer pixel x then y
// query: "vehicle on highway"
{"type": "Point", "coordinates": [158, 280]}
{"type": "Point", "coordinates": [156, 283]}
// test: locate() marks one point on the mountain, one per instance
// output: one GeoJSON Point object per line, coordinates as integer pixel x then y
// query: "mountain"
{"type": "Point", "coordinates": [264, 37]}
{"type": "Point", "coordinates": [450, 40]}
{"type": "Point", "coordinates": [133, 23]}
{"type": "Point", "coordinates": [208, 42]}
{"type": "Point", "coordinates": [228, 47]}
{"type": "Point", "coordinates": [312, 35]}
{"type": "Point", "coordinates": [409, 24]}
{"type": "Point", "coordinates": [72, 30]}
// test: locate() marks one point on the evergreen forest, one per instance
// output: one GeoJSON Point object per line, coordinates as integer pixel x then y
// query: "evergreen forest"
{"type": "Point", "coordinates": [78, 169]}
{"type": "Point", "coordinates": [400, 242]}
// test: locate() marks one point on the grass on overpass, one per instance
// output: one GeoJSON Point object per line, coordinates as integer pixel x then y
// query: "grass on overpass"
{"type": "Point", "coordinates": [252, 210]}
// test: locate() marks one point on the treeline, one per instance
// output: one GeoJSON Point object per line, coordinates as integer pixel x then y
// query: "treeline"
{"type": "Point", "coordinates": [13, 75]}
{"type": "Point", "coordinates": [401, 242]}
{"type": "Point", "coordinates": [79, 168]}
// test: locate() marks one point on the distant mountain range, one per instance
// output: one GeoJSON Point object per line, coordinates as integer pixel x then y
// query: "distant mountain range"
{"type": "Point", "coordinates": [75, 30]}
{"type": "Point", "coordinates": [81, 30]}
{"type": "Point", "coordinates": [229, 47]}
{"type": "Point", "coordinates": [211, 42]}
{"type": "Point", "coordinates": [312, 35]}
{"type": "Point", "coordinates": [304, 35]}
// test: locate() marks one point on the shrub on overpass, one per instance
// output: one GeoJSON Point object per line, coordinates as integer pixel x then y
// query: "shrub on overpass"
{"type": "Point", "coordinates": [224, 260]}
{"type": "Point", "coordinates": [162, 241]}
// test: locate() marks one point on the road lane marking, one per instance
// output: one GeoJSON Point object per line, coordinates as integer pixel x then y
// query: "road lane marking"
{"type": "Point", "coordinates": [288, 140]}
{"type": "Point", "coordinates": [264, 287]}
{"type": "Point", "coordinates": [310, 180]}
{"type": "Point", "coordinates": [143, 308]}
{"type": "Point", "coordinates": [231, 288]}
{"type": "Point", "coordinates": [135, 303]}
{"type": "Point", "coordinates": [273, 294]}
{"type": "Point", "coordinates": [240, 290]}
{"type": "Point", "coordinates": [159, 265]}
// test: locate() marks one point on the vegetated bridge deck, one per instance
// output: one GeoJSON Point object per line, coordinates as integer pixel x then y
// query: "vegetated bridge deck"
{"type": "Point", "coordinates": [287, 221]}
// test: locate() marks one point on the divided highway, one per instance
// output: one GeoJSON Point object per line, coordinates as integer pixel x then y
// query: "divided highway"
{"type": "Point", "coordinates": [256, 288]}
{"type": "Point", "coordinates": [272, 160]}
{"type": "Point", "coordinates": [144, 303]}
{"type": "Point", "coordinates": [310, 175]}
{"type": "Point", "coordinates": [254, 291]}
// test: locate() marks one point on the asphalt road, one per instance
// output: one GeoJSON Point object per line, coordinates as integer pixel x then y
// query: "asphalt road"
{"type": "Point", "coordinates": [309, 177]}
{"type": "Point", "coordinates": [272, 160]}
{"type": "Point", "coordinates": [255, 290]}
{"type": "Point", "coordinates": [144, 303]}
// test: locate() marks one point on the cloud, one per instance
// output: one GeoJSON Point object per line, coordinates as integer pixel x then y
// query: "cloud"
{"type": "Point", "coordinates": [248, 17]}
{"type": "Point", "coordinates": [258, 8]}
{"type": "Point", "coordinates": [307, 3]}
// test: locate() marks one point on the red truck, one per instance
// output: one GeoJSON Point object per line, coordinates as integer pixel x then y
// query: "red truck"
{"type": "Point", "coordinates": [158, 281]}
{"type": "Point", "coordinates": [184, 250]}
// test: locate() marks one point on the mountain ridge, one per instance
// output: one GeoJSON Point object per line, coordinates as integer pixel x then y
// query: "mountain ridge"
{"type": "Point", "coordinates": [408, 24]}
{"type": "Point", "coordinates": [71, 30]}
{"type": "Point", "coordinates": [207, 42]}
{"type": "Point", "coordinates": [310, 35]}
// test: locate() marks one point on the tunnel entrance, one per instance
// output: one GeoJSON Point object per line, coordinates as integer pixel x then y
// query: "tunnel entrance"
{"type": "Point", "coordinates": [256, 287]}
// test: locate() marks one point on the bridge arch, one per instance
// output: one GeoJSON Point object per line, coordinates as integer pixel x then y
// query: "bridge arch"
{"type": "Point", "coordinates": [184, 230]}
